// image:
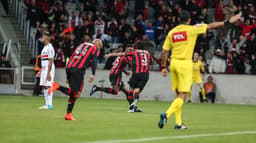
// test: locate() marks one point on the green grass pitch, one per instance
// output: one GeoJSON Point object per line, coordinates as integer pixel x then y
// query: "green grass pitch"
{"type": "Point", "coordinates": [104, 120]}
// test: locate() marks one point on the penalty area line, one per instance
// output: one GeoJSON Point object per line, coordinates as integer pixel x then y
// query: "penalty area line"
{"type": "Point", "coordinates": [172, 137]}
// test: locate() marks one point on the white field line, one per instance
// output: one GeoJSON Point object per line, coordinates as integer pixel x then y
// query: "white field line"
{"type": "Point", "coordinates": [173, 137]}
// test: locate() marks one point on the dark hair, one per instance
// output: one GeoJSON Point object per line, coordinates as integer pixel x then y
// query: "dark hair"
{"type": "Point", "coordinates": [210, 77]}
{"type": "Point", "coordinates": [140, 45]}
{"type": "Point", "coordinates": [184, 16]}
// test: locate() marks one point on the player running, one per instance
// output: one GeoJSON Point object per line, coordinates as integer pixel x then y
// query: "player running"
{"type": "Point", "coordinates": [181, 40]}
{"type": "Point", "coordinates": [140, 73]}
{"type": "Point", "coordinates": [47, 70]}
{"type": "Point", "coordinates": [198, 66]}
{"type": "Point", "coordinates": [84, 54]}
{"type": "Point", "coordinates": [115, 76]}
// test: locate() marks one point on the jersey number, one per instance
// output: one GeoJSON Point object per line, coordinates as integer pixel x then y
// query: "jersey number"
{"type": "Point", "coordinates": [144, 59]}
{"type": "Point", "coordinates": [81, 51]}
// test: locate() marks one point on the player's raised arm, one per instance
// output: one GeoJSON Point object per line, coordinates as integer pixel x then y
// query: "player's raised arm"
{"type": "Point", "coordinates": [114, 55]}
{"type": "Point", "coordinates": [225, 23]}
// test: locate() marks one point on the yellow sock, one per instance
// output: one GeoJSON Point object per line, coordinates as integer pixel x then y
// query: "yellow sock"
{"type": "Point", "coordinates": [203, 93]}
{"type": "Point", "coordinates": [178, 117]}
{"type": "Point", "coordinates": [190, 96]}
{"type": "Point", "coordinates": [176, 105]}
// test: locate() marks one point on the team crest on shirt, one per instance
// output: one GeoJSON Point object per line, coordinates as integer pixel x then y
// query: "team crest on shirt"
{"type": "Point", "coordinates": [179, 36]}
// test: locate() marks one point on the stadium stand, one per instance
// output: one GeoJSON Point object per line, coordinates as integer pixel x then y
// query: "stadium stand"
{"type": "Point", "coordinates": [117, 23]}
{"type": "Point", "coordinates": [68, 23]}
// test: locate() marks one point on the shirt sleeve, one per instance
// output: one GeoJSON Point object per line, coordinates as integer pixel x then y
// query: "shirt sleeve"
{"type": "Point", "coordinates": [167, 43]}
{"type": "Point", "coordinates": [51, 52]}
{"type": "Point", "coordinates": [199, 29]}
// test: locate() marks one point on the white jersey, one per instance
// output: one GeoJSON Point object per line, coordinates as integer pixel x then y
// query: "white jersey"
{"type": "Point", "coordinates": [47, 53]}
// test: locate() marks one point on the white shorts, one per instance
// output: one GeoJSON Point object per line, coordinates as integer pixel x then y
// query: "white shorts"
{"type": "Point", "coordinates": [43, 77]}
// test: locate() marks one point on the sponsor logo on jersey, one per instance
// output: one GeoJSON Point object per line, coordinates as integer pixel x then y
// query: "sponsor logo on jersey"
{"type": "Point", "coordinates": [179, 36]}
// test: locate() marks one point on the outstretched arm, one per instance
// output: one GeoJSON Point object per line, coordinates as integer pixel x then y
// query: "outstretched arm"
{"type": "Point", "coordinates": [233, 19]}
{"type": "Point", "coordinates": [114, 55]}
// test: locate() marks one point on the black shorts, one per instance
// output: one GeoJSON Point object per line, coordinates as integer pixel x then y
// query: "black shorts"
{"type": "Point", "coordinates": [75, 79]}
{"type": "Point", "coordinates": [116, 80]}
{"type": "Point", "coordinates": [139, 80]}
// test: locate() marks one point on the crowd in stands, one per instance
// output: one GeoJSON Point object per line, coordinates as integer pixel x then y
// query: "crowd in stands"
{"type": "Point", "coordinates": [228, 51]}
{"type": "Point", "coordinates": [5, 75]}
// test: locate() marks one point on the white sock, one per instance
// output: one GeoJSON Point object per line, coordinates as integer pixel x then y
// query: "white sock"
{"type": "Point", "coordinates": [46, 96]}
{"type": "Point", "coordinates": [50, 98]}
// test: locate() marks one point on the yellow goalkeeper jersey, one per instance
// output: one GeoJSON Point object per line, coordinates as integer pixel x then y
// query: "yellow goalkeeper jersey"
{"type": "Point", "coordinates": [181, 40]}
{"type": "Point", "coordinates": [197, 67]}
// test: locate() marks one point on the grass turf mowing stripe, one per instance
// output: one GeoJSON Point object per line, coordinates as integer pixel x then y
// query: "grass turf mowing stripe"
{"type": "Point", "coordinates": [173, 137]}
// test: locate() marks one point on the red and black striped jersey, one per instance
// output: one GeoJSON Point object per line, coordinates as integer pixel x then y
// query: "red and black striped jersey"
{"type": "Point", "coordinates": [119, 64]}
{"type": "Point", "coordinates": [82, 55]}
{"type": "Point", "coordinates": [140, 61]}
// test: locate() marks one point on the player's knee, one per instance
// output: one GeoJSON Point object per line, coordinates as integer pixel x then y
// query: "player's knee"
{"type": "Point", "coordinates": [115, 91]}
{"type": "Point", "coordinates": [136, 90]}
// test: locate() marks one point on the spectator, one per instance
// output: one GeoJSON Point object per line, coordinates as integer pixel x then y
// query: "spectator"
{"type": "Point", "coordinates": [124, 27]}
{"type": "Point", "coordinates": [203, 16]}
{"type": "Point", "coordinates": [250, 45]}
{"type": "Point", "coordinates": [247, 28]}
{"type": "Point", "coordinates": [68, 30]}
{"type": "Point", "coordinates": [139, 6]}
{"type": "Point", "coordinates": [119, 8]}
{"type": "Point", "coordinates": [218, 12]}
{"type": "Point", "coordinates": [251, 13]}
{"type": "Point", "coordinates": [88, 27]}
{"type": "Point", "coordinates": [59, 59]}
{"type": "Point", "coordinates": [222, 43]}
{"type": "Point", "coordinates": [73, 20]}
{"type": "Point", "coordinates": [157, 5]}
{"type": "Point", "coordinates": [79, 31]}
{"type": "Point", "coordinates": [91, 5]}
{"type": "Point", "coordinates": [210, 89]}
{"type": "Point", "coordinates": [253, 64]}
{"type": "Point", "coordinates": [218, 64]}
{"type": "Point", "coordinates": [5, 76]}
{"type": "Point", "coordinates": [112, 30]}
{"type": "Point", "coordinates": [99, 24]}
{"type": "Point", "coordinates": [229, 10]}
{"type": "Point", "coordinates": [230, 63]}
{"type": "Point", "coordinates": [238, 63]}
{"type": "Point", "coordinates": [128, 39]}
{"type": "Point", "coordinates": [202, 43]}
{"type": "Point", "coordinates": [235, 46]}
{"type": "Point", "coordinates": [139, 31]}
{"type": "Point", "coordinates": [4, 63]}
{"type": "Point", "coordinates": [149, 29]}
{"type": "Point", "coordinates": [34, 12]}
{"type": "Point", "coordinates": [82, 13]}
{"type": "Point", "coordinates": [194, 9]}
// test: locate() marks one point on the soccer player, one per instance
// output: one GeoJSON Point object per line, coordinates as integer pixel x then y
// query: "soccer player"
{"type": "Point", "coordinates": [86, 53]}
{"type": "Point", "coordinates": [181, 40]}
{"type": "Point", "coordinates": [140, 73]}
{"type": "Point", "coordinates": [196, 77]}
{"type": "Point", "coordinates": [47, 70]}
{"type": "Point", "coordinates": [115, 76]}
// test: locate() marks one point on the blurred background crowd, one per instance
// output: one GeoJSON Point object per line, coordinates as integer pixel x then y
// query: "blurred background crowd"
{"type": "Point", "coordinates": [122, 22]}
